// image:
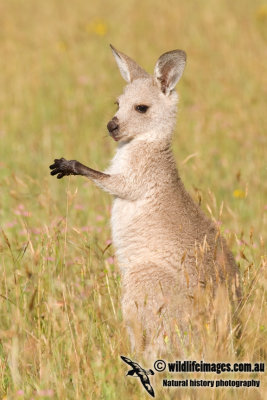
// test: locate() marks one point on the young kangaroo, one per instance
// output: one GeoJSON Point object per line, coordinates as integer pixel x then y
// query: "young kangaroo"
{"type": "Point", "coordinates": [167, 249]}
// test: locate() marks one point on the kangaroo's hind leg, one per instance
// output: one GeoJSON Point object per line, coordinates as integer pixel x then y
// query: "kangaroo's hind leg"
{"type": "Point", "coordinates": [151, 307]}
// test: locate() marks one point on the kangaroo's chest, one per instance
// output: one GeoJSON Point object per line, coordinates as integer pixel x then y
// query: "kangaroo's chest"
{"type": "Point", "coordinates": [120, 162]}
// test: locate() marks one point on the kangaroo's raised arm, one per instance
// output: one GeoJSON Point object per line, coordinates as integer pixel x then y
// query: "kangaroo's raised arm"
{"type": "Point", "coordinates": [62, 167]}
{"type": "Point", "coordinates": [114, 184]}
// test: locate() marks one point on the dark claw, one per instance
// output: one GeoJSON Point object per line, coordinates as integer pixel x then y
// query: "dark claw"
{"type": "Point", "coordinates": [61, 168]}
{"type": "Point", "coordinates": [55, 171]}
{"type": "Point", "coordinates": [56, 163]}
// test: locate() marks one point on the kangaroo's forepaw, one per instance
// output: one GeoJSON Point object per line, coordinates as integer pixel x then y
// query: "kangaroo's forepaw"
{"type": "Point", "coordinates": [62, 167]}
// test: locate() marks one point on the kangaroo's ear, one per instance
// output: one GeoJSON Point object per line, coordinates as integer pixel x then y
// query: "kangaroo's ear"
{"type": "Point", "coordinates": [129, 69]}
{"type": "Point", "coordinates": [169, 69]}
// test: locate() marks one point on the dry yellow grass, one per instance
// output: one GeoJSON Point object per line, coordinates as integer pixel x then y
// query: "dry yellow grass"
{"type": "Point", "coordinates": [61, 331]}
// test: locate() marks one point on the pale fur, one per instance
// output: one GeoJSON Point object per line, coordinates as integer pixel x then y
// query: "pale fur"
{"type": "Point", "coordinates": [166, 247]}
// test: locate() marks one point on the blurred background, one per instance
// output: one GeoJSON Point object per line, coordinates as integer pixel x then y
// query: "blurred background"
{"type": "Point", "coordinates": [58, 83]}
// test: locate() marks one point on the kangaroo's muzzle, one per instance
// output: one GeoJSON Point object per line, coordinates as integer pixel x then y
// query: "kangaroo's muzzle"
{"type": "Point", "coordinates": [113, 128]}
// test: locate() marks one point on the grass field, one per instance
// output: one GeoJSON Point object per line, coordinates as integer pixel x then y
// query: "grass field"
{"type": "Point", "coordinates": [61, 329]}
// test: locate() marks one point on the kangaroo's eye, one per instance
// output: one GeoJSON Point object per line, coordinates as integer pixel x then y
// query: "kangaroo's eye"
{"type": "Point", "coordinates": [142, 108]}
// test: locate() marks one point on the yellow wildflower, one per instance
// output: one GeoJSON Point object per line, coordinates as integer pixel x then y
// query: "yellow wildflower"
{"type": "Point", "coordinates": [262, 13]}
{"type": "Point", "coordinates": [239, 194]}
{"type": "Point", "coordinates": [98, 27]}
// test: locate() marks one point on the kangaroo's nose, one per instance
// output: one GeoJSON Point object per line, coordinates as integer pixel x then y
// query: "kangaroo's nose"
{"type": "Point", "coordinates": [113, 124]}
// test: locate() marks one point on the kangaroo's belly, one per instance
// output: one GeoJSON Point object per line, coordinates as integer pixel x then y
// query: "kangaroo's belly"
{"type": "Point", "coordinates": [142, 235]}
{"type": "Point", "coordinates": [127, 229]}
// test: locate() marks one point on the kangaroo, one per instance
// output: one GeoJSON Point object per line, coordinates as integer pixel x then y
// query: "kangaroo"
{"type": "Point", "coordinates": [167, 248]}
